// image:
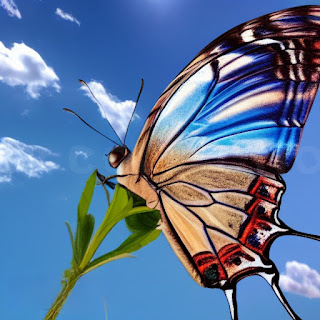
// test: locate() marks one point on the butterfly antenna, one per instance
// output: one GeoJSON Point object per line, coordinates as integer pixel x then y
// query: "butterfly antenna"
{"type": "Point", "coordinates": [86, 123]}
{"type": "Point", "coordinates": [100, 105]}
{"type": "Point", "coordinates": [139, 94]}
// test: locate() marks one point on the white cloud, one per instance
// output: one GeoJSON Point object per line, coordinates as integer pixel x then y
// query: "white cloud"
{"type": "Point", "coordinates": [25, 113]}
{"type": "Point", "coordinates": [81, 154]}
{"type": "Point", "coordinates": [118, 113]}
{"type": "Point", "coordinates": [23, 66]}
{"type": "Point", "coordinates": [11, 8]}
{"type": "Point", "coordinates": [67, 16]}
{"type": "Point", "coordinates": [5, 178]}
{"type": "Point", "coordinates": [16, 156]}
{"type": "Point", "coordinates": [300, 279]}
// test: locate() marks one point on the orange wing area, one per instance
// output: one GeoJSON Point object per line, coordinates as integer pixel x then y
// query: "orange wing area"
{"type": "Point", "coordinates": [221, 220]}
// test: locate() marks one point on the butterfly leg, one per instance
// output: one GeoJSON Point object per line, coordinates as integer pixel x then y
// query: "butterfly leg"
{"type": "Point", "coordinates": [273, 280]}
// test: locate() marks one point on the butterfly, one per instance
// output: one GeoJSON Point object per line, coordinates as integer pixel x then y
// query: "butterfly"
{"type": "Point", "coordinates": [213, 148]}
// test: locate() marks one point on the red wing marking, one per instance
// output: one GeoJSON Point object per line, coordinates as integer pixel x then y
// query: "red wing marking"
{"type": "Point", "coordinates": [209, 267]}
{"type": "Point", "coordinates": [267, 189]}
{"type": "Point", "coordinates": [261, 227]}
{"type": "Point", "coordinates": [232, 254]}
{"type": "Point", "coordinates": [262, 208]}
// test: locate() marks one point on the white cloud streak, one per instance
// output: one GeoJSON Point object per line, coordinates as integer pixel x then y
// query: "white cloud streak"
{"type": "Point", "coordinates": [25, 113]}
{"type": "Point", "coordinates": [23, 66]}
{"type": "Point", "coordinates": [118, 113]}
{"type": "Point", "coordinates": [81, 153]}
{"type": "Point", "coordinates": [16, 156]}
{"type": "Point", "coordinates": [11, 8]}
{"type": "Point", "coordinates": [300, 279]}
{"type": "Point", "coordinates": [67, 16]}
{"type": "Point", "coordinates": [5, 178]}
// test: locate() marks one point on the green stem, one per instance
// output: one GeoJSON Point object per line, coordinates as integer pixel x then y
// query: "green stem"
{"type": "Point", "coordinates": [61, 298]}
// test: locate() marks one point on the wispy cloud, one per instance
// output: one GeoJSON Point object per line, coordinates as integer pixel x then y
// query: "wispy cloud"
{"type": "Point", "coordinates": [81, 153]}
{"type": "Point", "coordinates": [11, 8]}
{"type": "Point", "coordinates": [25, 113]}
{"type": "Point", "coordinates": [16, 156]}
{"type": "Point", "coordinates": [23, 66]}
{"type": "Point", "coordinates": [300, 279]}
{"type": "Point", "coordinates": [4, 178]}
{"type": "Point", "coordinates": [118, 113]}
{"type": "Point", "coordinates": [67, 16]}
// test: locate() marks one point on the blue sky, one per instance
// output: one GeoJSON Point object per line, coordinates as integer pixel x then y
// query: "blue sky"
{"type": "Point", "coordinates": [46, 156]}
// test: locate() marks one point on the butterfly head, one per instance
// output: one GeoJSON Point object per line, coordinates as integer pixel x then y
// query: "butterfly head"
{"type": "Point", "coordinates": [117, 155]}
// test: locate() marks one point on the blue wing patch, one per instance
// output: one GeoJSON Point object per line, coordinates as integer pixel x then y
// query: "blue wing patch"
{"type": "Point", "coordinates": [247, 107]}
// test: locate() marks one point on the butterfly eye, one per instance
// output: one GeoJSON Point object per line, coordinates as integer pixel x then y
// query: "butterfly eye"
{"type": "Point", "coordinates": [117, 155]}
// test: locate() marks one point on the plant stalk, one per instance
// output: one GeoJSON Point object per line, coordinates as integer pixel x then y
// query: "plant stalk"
{"type": "Point", "coordinates": [61, 298]}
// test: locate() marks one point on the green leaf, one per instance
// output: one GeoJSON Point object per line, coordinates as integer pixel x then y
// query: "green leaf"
{"type": "Point", "coordinates": [140, 220]}
{"type": "Point", "coordinates": [84, 236]}
{"type": "Point", "coordinates": [133, 243]}
{"type": "Point", "coordinates": [137, 240]}
{"type": "Point", "coordinates": [86, 196]}
{"type": "Point", "coordinates": [124, 204]}
{"type": "Point", "coordinates": [121, 201]}
{"type": "Point", "coordinates": [73, 262]}
{"type": "Point", "coordinates": [95, 263]}
{"type": "Point", "coordinates": [107, 193]}
{"type": "Point", "coordinates": [70, 234]}
{"type": "Point", "coordinates": [118, 210]}
{"type": "Point", "coordinates": [85, 223]}
{"type": "Point", "coordinates": [137, 201]}
{"type": "Point", "coordinates": [143, 221]}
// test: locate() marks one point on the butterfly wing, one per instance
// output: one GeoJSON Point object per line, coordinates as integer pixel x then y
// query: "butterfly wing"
{"type": "Point", "coordinates": [243, 100]}
{"type": "Point", "coordinates": [220, 220]}
{"type": "Point", "coordinates": [216, 141]}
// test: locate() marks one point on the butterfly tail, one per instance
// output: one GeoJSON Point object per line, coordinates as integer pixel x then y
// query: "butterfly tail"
{"type": "Point", "coordinates": [273, 280]}
{"type": "Point", "coordinates": [232, 300]}
{"type": "Point", "coordinates": [287, 231]}
{"type": "Point", "coordinates": [293, 232]}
